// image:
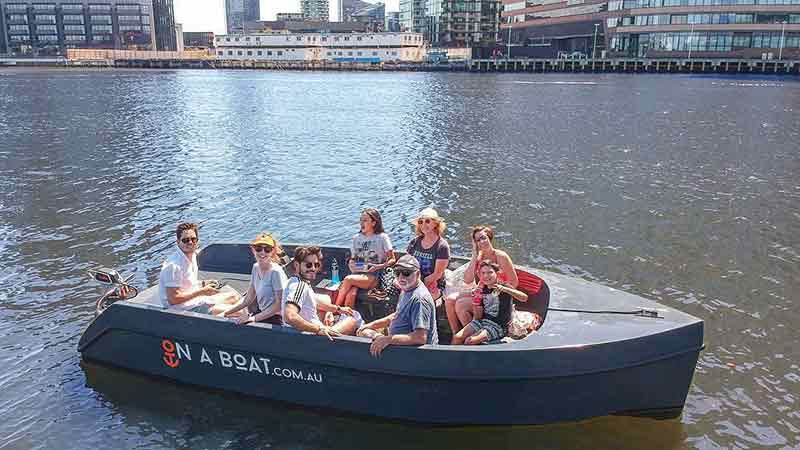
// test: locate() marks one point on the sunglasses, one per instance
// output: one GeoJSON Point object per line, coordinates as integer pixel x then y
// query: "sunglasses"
{"type": "Point", "coordinates": [310, 265]}
{"type": "Point", "coordinates": [482, 237]}
{"type": "Point", "coordinates": [404, 272]}
{"type": "Point", "coordinates": [193, 240]}
{"type": "Point", "coordinates": [421, 221]}
{"type": "Point", "coordinates": [261, 248]}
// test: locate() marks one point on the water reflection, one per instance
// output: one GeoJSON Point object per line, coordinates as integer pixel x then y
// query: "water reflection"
{"type": "Point", "coordinates": [221, 420]}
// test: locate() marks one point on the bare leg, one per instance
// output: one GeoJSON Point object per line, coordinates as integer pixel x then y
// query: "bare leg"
{"type": "Point", "coordinates": [346, 326]}
{"type": "Point", "coordinates": [354, 283]}
{"type": "Point", "coordinates": [463, 309]}
{"type": "Point", "coordinates": [479, 338]}
{"type": "Point", "coordinates": [460, 337]}
{"type": "Point", "coordinates": [450, 308]}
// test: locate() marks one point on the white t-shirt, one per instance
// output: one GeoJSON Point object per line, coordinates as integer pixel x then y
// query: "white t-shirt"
{"type": "Point", "coordinates": [300, 293]}
{"type": "Point", "coordinates": [273, 280]}
{"type": "Point", "coordinates": [180, 272]}
{"type": "Point", "coordinates": [371, 250]}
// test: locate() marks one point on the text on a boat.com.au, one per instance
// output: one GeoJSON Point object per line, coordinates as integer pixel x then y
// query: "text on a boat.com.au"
{"type": "Point", "coordinates": [174, 353]}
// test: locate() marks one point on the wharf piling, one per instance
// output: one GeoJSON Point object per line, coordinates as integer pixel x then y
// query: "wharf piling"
{"type": "Point", "coordinates": [543, 65]}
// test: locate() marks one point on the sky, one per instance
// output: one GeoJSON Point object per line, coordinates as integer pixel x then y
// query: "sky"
{"type": "Point", "coordinates": [209, 15]}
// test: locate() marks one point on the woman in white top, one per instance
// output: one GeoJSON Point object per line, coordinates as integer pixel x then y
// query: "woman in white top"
{"type": "Point", "coordinates": [371, 254]}
{"type": "Point", "coordinates": [267, 282]}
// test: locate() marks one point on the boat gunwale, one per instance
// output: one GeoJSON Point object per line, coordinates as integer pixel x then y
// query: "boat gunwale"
{"type": "Point", "coordinates": [361, 340]}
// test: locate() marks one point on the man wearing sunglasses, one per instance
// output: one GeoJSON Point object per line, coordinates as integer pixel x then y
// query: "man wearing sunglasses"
{"type": "Point", "coordinates": [414, 321]}
{"type": "Point", "coordinates": [300, 303]}
{"type": "Point", "coordinates": [178, 284]}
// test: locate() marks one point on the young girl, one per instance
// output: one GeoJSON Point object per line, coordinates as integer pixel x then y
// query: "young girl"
{"type": "Point", "coordinates": [370, 254]}
{"type": "Point", "coordinates": [491, 308]}
{"type": "Point", "coordinates": [458, 305]}
{"type": "Point", "coordinates": [267, 282]}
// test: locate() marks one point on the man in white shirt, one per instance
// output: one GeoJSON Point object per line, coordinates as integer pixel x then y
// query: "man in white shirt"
{"type": "Point", "coordinates": [179, 286]}
{"type": "Point", "coordinates": [300, 303]}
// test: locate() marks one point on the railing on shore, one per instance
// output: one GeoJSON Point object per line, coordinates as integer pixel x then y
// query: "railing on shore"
{"type": "Point", "coordinates": [204, 60]}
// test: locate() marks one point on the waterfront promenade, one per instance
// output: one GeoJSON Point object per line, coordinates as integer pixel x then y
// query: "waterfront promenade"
{"type": "Point", "coordinates": [543, 65]}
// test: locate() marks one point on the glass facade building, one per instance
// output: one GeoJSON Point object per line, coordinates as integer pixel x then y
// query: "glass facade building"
{"type": "Point", "coordinates": [548, 29]}
{"type": "Point", "coordinates": [240, 12]}
{"type": "Point", "coordinates": [763, 29]}
{"type": "Point", "coordinates": [166, 33]}
{"type": "Point", "coordinates": [47, 28]}
{"type": "Point", "coordinates": [452, 23]}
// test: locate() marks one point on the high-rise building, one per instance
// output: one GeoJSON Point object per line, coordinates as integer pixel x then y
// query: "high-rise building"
{"type": "Point", "coordinates": [239, 12]}
{"type": "Point", "coordinates": [315, 9]}
{"type": "Point", "coordinates": [164, 15]}
{"type": "Point", "coordinates": [392, 22]}
{"type": "Point", "coordinates": [47, 28]}
{"type": "Point", "coordinates": [462, 23]}
{"type": "Point", "coordinates": [412, 16]}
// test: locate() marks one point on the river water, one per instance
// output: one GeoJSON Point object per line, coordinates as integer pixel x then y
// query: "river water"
{"type": "Point", "coordinates": [683, 189]}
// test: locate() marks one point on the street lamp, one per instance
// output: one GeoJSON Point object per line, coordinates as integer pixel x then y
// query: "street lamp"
{"type": "Point", "coordinates": [783, 29]}
{"type": "Point", "coordinates": [594, 44]}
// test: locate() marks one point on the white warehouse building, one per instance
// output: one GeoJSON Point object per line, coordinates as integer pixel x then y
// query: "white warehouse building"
{"type": "Point", "coordinates": [337, 47]}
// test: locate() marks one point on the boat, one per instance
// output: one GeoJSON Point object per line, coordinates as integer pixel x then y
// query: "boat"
{"type": "Point", "coordinates": [599, 351]}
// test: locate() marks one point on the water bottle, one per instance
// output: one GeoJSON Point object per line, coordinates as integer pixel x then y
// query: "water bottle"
{"type": "Point", "coordinates": [335, 272]}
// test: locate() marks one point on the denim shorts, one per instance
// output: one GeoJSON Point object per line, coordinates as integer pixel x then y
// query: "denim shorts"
{"type": "Point", "coordinates": [495, 331]}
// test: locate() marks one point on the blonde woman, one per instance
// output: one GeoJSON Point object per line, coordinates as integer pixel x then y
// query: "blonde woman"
{"type": "Point", "coordinates": [430, 249]}
{"type": "Point", "coordinates": [267, 282]}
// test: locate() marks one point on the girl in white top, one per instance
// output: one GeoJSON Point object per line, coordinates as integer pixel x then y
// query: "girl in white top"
{"type": "Point", "coordinates": [371, 253]}
{"type": "Point", "coordinates": [267, 282]}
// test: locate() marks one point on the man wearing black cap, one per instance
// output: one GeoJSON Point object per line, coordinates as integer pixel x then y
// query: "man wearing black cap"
{"type": "Point", "coordinates": [414, 321]}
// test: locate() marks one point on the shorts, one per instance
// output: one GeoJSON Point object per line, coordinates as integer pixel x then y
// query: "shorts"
{"type": "Point", "coordinates": [202, 305]}
{"type": "Point", "coordinates": [356, 315]}
{"type": "Point", "coordinates": [495, 331]}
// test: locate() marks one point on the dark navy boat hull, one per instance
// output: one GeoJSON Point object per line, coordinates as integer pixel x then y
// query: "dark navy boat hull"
{"type": "Point", "coordinates": [532, 381]}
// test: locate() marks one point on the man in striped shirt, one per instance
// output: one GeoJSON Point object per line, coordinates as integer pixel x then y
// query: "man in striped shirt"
{"type": "Point", "coordinates": [300, 303]}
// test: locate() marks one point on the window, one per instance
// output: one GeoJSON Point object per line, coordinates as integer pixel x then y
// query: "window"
{"type": "Point", "coordinates": [44, 28]}
{"type": "Point", "coordinates": [247, 39]}
{"type": "Point", "coordinates": [349, 53]}
{"type": "Point", "coordinates": [260, 53]}
{"type": "Point", "coordinates": [74, 37]}
{"type": "Point", "coordinates": [269, 53]}
{"type": "Point", "coordinates": [74, 28]}
{"type": "Point", "coordinates": [280, 53]}
{"type": "Point", "coordinates": [230, 52]}
{"type": "Point", "coordinates": [258, 38]}
{"type": "Point", "coordinates": [376, 54]}
{"type": "Point", "coordinates": [130, 28]}
{"type": "Point", "coordinates": [358, 54]}
{"type": "Point", "coordinates": [71, 7]}
{"type": "Point", "coordinates": [227, 39]}
{"type": "Point", "coordinates": [323, 39]}
{"type": "Point", "coordinates": [249, 53]}
{"type": "Point", "coordinates": [70, 18]}
{"type": "Point", "coordinates": [220, 53]}
{"type": "Point", "coordinates": [299, 38]}
{"type": "Point", "coordinates": [101, 28]}
{"type": "Point", "coordinates": [239, 53]}
{"type": "Point", "coordinates": [329, 53]}
{"type": "Point", "coordinates": [236, 39]}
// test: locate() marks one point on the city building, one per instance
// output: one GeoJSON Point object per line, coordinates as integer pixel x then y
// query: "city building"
{"type": "Point", "coordinates": [164, 15]}
{"type": "Point", "coordinates": [239, 12]}
{"type": "Point", "coordinates": [547, 29]}
{"type": "Point", "coordinates": [178, 37]}
{"type": "Point", "coordinates": [372, 16]}
{"type": "Point", "coordinates": [462, 23]}
{"type": "Point", "coordinates": [348, 7]}
{"type": "Point", "coordinates": [762, 29]}
{"type": "Point", "coordinates": [315, 9]}
{"type": "Point", "coordinates": [198, 39]}
{"type": "Point", "coordinates": [412, 16]}
{"type": "Point", "coordinates": [47, 28]}
{"type": "Point", "coordinates": [392, 23]}
{"type": "Point", "coordinates": [283, 17]}
{"type": "Point", "coordinates": [338, 47]}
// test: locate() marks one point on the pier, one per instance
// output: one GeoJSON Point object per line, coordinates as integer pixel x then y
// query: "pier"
{"type": "Point", "coordinates": [615, 65]}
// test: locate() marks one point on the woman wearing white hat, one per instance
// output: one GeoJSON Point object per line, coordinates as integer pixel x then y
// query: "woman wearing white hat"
{"type": "Point", "coordinates": [430, 249]}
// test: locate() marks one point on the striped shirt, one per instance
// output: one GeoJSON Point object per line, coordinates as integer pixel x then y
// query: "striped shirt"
{"type": "Point", "coordinates": [301, 294]}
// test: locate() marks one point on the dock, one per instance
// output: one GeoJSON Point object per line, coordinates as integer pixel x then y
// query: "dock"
{"type": "Point", "coordinates": [614, 65]}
